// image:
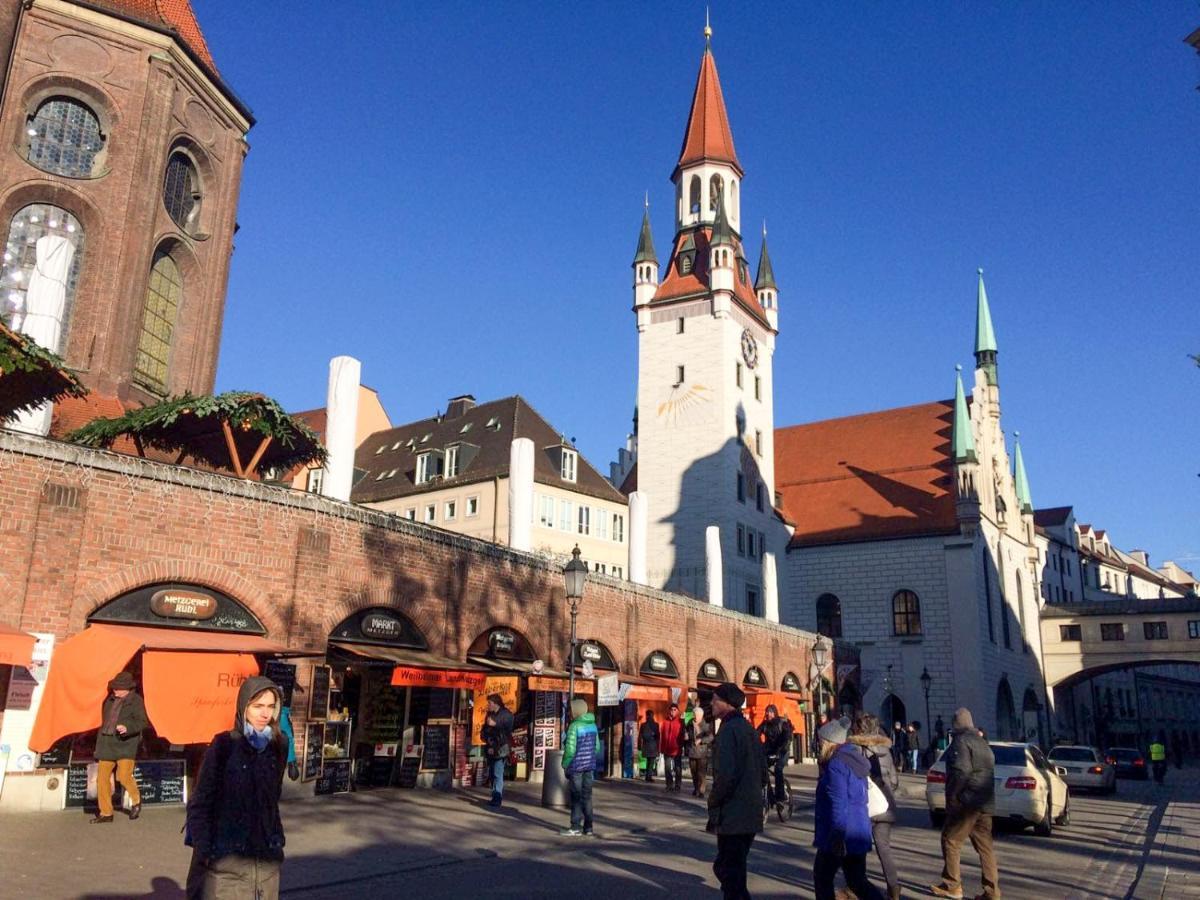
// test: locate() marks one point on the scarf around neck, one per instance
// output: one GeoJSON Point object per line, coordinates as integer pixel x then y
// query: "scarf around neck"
{"type": "Point", "coordinates": [258, 739]}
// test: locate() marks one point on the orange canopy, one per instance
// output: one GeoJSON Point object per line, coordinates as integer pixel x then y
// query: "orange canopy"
{"type": "Point", "coordinates": [83, 664]}
{"type": "Point", "coordinates": [191, 696]}
{"type": "Point", "coordinates": [16, 647]}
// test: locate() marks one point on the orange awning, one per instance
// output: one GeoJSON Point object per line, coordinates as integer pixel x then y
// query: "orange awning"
{"type": "Point", "coordinates": [83, 664]}
{"type": "Point", "coordinates": [16, 647]}
{"type": "Point", "coordinates": [192, 696]}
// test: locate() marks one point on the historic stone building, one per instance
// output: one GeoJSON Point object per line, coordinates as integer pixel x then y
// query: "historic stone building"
{"type": "Point", "coordinates": [122, 161]}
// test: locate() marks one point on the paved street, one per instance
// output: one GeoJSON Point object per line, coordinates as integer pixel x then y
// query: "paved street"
{"type": "Point", "coordinates": [1141, 843]}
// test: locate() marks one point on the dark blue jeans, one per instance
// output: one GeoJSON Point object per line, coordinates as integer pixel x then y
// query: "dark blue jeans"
{"type": "Point", "coordinates": [581, 799]}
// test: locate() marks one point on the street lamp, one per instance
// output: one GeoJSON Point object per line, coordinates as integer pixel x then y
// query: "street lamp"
{"type": "Point", "coordinates": [926, 681]}
{"type": "Point", "coordinates": [819, 651]}
{"type": "Point", "coordinates": [574, 575]}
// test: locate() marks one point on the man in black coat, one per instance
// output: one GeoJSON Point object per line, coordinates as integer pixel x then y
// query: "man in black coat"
{"type": "Point", "coordinates": [735, 811]}
{"type": "Point", "coordinates": [776, 733]}
{"type": "Point", "coordinates": [497, 737]}
{"type": "Point", "coordinates": [970, 801]}
{"type": "Point", "coordinates": [648, 743]}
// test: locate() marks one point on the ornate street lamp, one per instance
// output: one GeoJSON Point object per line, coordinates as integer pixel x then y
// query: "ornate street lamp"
{"type": "Point", "coordinates": [819, 651]}
{"type": "Point", "coordinates": [926, 681]}
{"type": "Point", "coordinates": [574, 575]}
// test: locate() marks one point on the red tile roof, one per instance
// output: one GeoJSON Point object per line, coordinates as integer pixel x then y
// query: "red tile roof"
{"type": "Point", "coordinates": [874, 476]}
{"type": "Point", "coordinates": [73, 413]}
{"type": "Point", "coordinates": [707, 135]}
{"type": "Point", "coordinates": [174, 15]}
{"type": "Point", "coordinates": [676, 285]}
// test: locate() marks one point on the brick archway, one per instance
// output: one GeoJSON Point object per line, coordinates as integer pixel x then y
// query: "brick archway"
{"type": "Point", "coordinates": [191, 572]}
{"type": "Point", "coordinates": [426, 620]}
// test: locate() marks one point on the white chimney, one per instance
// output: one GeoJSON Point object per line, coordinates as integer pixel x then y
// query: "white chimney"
{"type": "Point", "coordinates": [341, 426]}
{"type": "Point", "coordinates": [520, 494]}
{"type": "Point", "coordinates": [712, 560]}
{"type": "Point", "coordinates": [770, 588]}
{"type": "Point", "coordinates": [637, 537]}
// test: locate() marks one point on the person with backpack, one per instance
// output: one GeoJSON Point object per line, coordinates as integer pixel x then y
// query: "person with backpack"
{"type": "Point", "coordinates": [497, 738]}
{"type": "Point", "coordinates": [842, 824]}
{"type": "Point", "coordinates": [233, 824]}
{"type": "Point", "coordinates": [868, 734]}
{"type": "Point", "coordinates": [579, 763]}
{"type": "Point", "coordinates": [648, 743]}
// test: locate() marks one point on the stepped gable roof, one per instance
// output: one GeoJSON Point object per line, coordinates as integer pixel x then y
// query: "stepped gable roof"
{"type": "Point", "coordinates": [389, 458]}
{"type": "Point", "coordinates": [707, 135]}
{"type": "Point", "coordinates": [869, 477]}
{"type": "Point", "coordinates": [170, 15]}
{"type": "Point", "coordinates": [678, 286]}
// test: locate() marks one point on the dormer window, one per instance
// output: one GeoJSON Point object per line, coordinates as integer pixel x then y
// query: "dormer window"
{"type": "Point", "coordinates": [451, 461]}
{"type": "Point", "coordinates": [685, 263]}
{"type": "Point", "coordinates": [570, 465]}
{"type": "Point", "coordinates": [429, 466]}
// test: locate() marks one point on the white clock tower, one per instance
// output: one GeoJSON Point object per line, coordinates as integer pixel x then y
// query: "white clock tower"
{"type": "Point", "coordinates": [706, 337]}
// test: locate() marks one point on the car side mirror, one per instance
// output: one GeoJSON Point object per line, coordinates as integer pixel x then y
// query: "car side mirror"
{"type": "Point", "coordinates": [1059, 770]}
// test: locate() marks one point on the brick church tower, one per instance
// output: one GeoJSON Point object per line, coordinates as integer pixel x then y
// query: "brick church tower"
{"type": "Point", "coordinates": [121, 160]}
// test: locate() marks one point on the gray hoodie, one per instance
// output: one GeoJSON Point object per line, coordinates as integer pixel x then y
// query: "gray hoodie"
{"type": "Point", "coordinates": [251, 688]}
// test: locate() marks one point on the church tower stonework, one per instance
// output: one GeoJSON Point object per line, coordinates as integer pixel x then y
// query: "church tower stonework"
{"type": "Point", "coordinates": [706, 339]}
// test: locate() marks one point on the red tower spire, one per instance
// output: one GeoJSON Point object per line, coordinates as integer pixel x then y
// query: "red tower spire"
{"type": "Point", "coordinates": [707, 136]}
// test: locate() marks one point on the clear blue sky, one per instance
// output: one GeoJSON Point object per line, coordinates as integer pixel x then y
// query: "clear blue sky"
{"type": "Point", "coordinates": [452, 192]}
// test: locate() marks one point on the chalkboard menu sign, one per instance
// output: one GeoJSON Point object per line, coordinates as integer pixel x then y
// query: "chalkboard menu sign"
{"type": "Point", "coordinates": [161, 781]}
{"type": "Point", "coordinates": [77, 785]}
{"type": "Point", "coordinates": [58, 756]}
{"type": "Point", "coordinates": [436, 754]}
{"type": "Point", "coordinates": [441, 703]}
{"type": "Point", "coordinates": [314, 740]}
{"type": "Point", "coordinates": [375, 772]}
{"type": "Point", "coordinates": [284, 675]}
{"type": "Point", "coordinates": [407, 777]}
{"type": "Point", "coordinates": [318, 698]}
{"type": "Point", "coordinates": [334, 777]}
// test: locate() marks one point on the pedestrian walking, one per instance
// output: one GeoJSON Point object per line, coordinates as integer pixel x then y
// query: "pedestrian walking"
{"type": "Point", "coordinates": [867, 733]}
{"type": "Point", "coordinates": [698, 740]}
{"type": "Point", "coordinates": [233, 824]}
{"type": "Point", "coordinates": [842, 825]}
{"type": "Point", "coordinates": [579, 762]}
{"type": "Point", "coordinates": [648, 743]}
{"type": "Point", "coordinates": [1158, 758]}
{"type": "Point", "coordinates": [912, 745]}
{"type": "Point", "coordinates": [497, 738]}
{"type": "Point", "coordinates": [775, 732]}
{"type": "Point", "coordinates": [670, 743]}
{"type": "Point", "coordinates": [122, 721]}
{"type": "Point", "coordinates": [899, 744]}
{"type": "Point", "coordinates": [1177, 750]}
{"type": "Point", "coordinates": [735, 812]}
{"type": "Point", "coordinates": [970, 795]}
{"type": "Point", "coordinates": [939, 735]}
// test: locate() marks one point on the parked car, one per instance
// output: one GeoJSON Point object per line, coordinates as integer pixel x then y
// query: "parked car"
{"type": "Point", "coordinates": [1085, 768]}
{"type": "Point", "coordinates": [1129, 762]}
{"type": "Point", "coordinates": [1029, 789]}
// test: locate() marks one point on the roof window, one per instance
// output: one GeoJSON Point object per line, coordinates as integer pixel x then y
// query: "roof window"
{"type": "Point", "coordinates": [382, 447]}
{"type": "Point", "coordinates": [493, 423]}
{"type": "Point", "coordinates": [465, 428]}
{"type": "Point", "coordinates": [396, 446]}
{"type": "Point", "coordinates": [426, 437]}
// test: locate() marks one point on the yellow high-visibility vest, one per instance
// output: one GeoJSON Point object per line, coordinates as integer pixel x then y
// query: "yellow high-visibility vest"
{"type": "Point", "coordinates": [1158, 753]}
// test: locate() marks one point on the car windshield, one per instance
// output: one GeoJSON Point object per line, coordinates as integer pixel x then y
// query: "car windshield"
{"type": "Point", "coordinates": [1009, 756]}
{"type": "Point", "coordinates": [1072, 754]}
{"type": "Point", "coordinates": [1124, 754]}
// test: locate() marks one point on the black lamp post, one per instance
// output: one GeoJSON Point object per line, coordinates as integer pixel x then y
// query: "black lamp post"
{"type": "Point", "coordinates": [926, 681]}
{"type": "Point", "coordinates": [574, 575]}
{"type": "Point", "coordinates": [819, 651]}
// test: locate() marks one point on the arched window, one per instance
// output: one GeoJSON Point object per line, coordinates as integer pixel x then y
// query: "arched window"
{"type": "Point", "coordinates": [829, 616]}
{"type": "Point", "coordinates": [906, 614]}
{"type": "Point", "coordinates": [64, 137]}
{"type": "Point", "coordinates": [42, 261]}
{"type": "Point", "coordinates": [694, 194]}
{"type": "Point", "coordinates": [181, 191]}
{"type": "Point", "coordinates": [732, 197]}
{"type": "Point", "coordinates": [715, 186]}
{"type": "Point", "coordinates": [164, 292]}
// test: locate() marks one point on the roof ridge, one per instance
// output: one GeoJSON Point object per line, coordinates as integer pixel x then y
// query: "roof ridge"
{"type": "Point", "coordinates": [879, 412]}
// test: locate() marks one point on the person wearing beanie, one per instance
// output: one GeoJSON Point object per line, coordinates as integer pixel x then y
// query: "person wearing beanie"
{"type": "Point", "coordinates": [841, 823]}
{"type": "Point", "coordinates": [579, 762]}
{"type": "Point", "coordinates": [970, 795]}
{"type": "Point", "coordinates": [122, 721]}
{"type": "Point", "coordinates": [735, 806]}
{"type": "Point", "coordinates": [233, 823]}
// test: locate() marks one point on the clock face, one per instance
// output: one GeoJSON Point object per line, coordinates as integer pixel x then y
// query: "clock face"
{"type": "Point", "coordinates": [749, 349]}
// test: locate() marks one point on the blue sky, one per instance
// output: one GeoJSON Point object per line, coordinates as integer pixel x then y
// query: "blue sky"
{"type": "Point", "coordinates": [452, 194]}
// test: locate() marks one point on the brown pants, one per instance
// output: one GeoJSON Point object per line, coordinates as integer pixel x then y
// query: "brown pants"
{"type": "Point", "coordinates": [978, 827]}
{"type": "Point", "coordinates": [699, 769]}
{"type": "Point", "coordinates": [104, 783]}
{"type": "Point", "coordinates": [233, 878]}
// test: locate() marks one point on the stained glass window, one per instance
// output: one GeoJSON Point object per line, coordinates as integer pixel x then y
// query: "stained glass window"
{"type": "Point", "coordinates": [64, 137]}
{"type": "Point", "coordinates": [28, 226]}
{"type": "Point", "coordinates": [181, 191]}
{"type": "Point", "coordinates": [163, 295]}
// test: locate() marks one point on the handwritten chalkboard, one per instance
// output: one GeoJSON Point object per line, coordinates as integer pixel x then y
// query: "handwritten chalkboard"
{"type": "Point", "coordinates": [334, 778]}
{"type": "Point", "coordinates": [77, 784]}
{"type": "Point", "coordinates": [441, 703]}
{"type": "Point", "coordinates": [437, 747]}
{"type": "Point", "coordinates": [161, 781]}
{"type": "Point", "coordinates": [318, 699]}
{"type": "Point", "coordinates": [314, 739]}
{"type": "Point", "coordinates": [284, 675]}
{"type": "Point", "coordinates": [58, 756]}
{"type": "Point", "coordinates": [407, 777]}
{"type": "Point", "coordinates": [375, 771]}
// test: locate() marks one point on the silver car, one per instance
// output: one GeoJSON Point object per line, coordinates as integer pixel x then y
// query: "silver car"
{"type": "Point", "coordinates": [1085, 767]}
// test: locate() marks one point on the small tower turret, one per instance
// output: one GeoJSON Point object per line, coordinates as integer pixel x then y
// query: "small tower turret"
{"type": "Point", "coordinates": [764, 284]}
{"type": "Point", "coordinates": [645, 264]}
{"type": "Point", "coordinates": [722, 250]}
{"type": "Point", "coordinates": [985, 335]}
{"type": "Point", "coordinates": [966, 461]}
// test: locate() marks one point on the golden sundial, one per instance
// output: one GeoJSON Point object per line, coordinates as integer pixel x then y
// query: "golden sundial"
{"type": "Point", "coordinates": [682, 400]}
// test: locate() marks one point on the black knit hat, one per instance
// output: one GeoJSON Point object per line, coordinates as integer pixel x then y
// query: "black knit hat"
{"type": "Point", "coordinates": [122, 681]}
{"type": "Point", "coordinates": [731, 694]}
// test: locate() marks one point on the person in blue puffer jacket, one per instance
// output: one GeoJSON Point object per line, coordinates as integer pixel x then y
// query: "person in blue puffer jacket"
{"type": "Point", "coordinates": [842, 830]}
{"type": "Point", "coordinates": [579, 762]}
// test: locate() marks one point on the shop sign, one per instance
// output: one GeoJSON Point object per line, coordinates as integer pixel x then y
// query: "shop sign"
{"type": "Point", "coordinates": [382, 627]}
{"type": "Point", "coordinates": [608, 688]}
{"type": "Point", "coordinates": [410, 676]}
{"type": "Point", "coordinates": [658, 662]}
{"type": "Point", "coordinates": [503, 640]}
{"type": "Point", "coordinates": [20, 690]}
{"type": "Point", "coordinates": [712, 671]}
{"type": "Point", "coordinates": [590, 653]}
{"type": "Point", "coordinates": [509, 689]}
{"type": "Point", "coordinates": [173, 603]}
{"type": "Point", "coordinates": [561, 685]}
{"type": "Point", "coordinates": [754, 675]}
{"type": "Point", "coordinates": [791, 683]}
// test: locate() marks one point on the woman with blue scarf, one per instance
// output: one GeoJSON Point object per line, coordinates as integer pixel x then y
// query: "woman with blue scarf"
{"type": "Point", "coordinates": [233, 823]}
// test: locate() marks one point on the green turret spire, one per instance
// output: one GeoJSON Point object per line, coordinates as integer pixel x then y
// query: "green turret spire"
{"type": "Point", "coordinates": [645, 248]}
{"type": "Point", "coordinates": [1024, 499]}
{"type": "Point", "coordinates": [985, 335]}
{"type": "Point", "coordinates": [766, 275]}
{"type": "Point", "coordinates": [721, 232]}
{"type": "Point", "coordinates": [963, 437]}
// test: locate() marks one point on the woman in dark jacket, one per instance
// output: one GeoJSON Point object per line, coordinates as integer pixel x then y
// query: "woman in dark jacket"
{"type": "Point", "coordinates": [122, 721]}
{"type": "Point", "coordinates": [233, 823]}
{"type": "Point", "coordinates": [842, 829]}
{"type": "Point", "coordinates": [878, 749]}
{"type": "Point", "coordinates": [648, 744]}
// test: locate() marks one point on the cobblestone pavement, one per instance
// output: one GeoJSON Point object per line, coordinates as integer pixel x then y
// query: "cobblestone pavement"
{"type": "Point", "coordinates": [1142, 843]}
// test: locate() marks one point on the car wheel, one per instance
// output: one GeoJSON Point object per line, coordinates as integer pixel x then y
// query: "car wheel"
{"type": "Point", "coordinates": [1065, 818]}
{"type": "Point", "coordinates": [936, 819]}
{"type": "Point", "coordinates": [1044, 828]}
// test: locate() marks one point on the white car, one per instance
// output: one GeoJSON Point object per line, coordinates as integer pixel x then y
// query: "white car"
{"type": "Point", "coordinates": [1086, 768]}
{"type": "Point", "coordinates": [1029, 789]}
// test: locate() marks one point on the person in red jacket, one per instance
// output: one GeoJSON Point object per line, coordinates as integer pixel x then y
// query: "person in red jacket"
{"type": "Point", "coordinates": [671, 746]}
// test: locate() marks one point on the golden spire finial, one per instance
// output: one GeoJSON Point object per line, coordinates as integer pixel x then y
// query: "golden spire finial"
{"type": "Point", "coordinates": [707, 27]}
